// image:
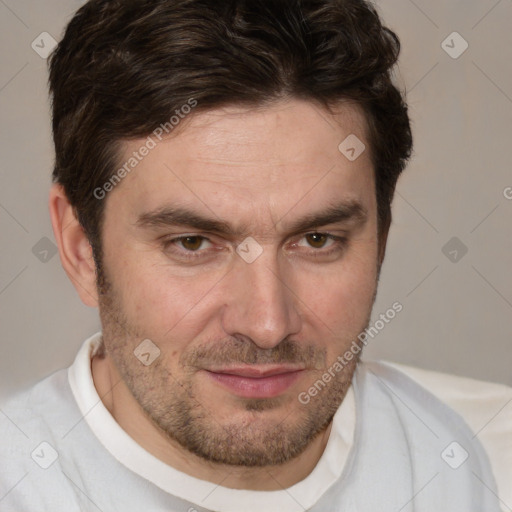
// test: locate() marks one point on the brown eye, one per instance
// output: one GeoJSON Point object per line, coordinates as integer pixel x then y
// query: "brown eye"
{"type": "Point", "coordinates": [192, 243]}
{"type": "Point", "coordinates": [317, 240]}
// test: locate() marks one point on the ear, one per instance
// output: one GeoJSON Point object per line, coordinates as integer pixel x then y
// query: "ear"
{"type": "Point", "coordinates": [74, 248]}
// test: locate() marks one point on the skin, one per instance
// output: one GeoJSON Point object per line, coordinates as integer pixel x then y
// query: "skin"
{"type": "Point", "coordinates": [300, 304]}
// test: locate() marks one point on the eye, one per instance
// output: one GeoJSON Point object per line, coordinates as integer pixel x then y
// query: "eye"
{"type": "Point", "coordinates": [191, 243]}
{"type": "Point", "coordinates": [319, 245]}
{"type": "Point", "coordinates": [187, 245]}
{"type": "Point", "coordinates": [318, 240]}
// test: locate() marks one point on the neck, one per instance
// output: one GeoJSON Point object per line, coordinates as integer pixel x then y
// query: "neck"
{"type": "Point", "coordinates": [134, 421]}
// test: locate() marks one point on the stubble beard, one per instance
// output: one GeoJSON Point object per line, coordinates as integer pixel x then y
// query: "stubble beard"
{"type": "Point", "coordinates": [262, 439]}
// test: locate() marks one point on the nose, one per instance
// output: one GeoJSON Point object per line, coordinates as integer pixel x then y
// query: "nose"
{"type": "Point", "coordinates": [260, 302]}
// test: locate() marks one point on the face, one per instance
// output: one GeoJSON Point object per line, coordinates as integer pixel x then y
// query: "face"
{"type": "Point", "coordinates": [245, 248]}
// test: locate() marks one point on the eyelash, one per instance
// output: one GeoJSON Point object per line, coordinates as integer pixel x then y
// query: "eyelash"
{"type": "Point", "coordinates": [339, 244]}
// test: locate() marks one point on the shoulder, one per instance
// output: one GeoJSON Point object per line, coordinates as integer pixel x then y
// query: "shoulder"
{"type": "Point", "coordinates": [40, 405]}
{"type": "Point", "coordinates": [32, 424]}
{"type": "Point", "coordinates": [486, 408]}
{"type": "Point", "coordinates": [39, 414]}
{"type": "Point", "coordinates": [484, 405]}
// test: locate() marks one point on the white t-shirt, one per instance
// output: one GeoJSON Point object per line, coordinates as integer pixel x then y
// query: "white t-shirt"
{"type": "Point", "coordinates": [33, 424]}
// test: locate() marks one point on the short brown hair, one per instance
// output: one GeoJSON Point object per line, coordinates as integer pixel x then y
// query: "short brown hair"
{"type": "Point", "coordinates": [124, 66]}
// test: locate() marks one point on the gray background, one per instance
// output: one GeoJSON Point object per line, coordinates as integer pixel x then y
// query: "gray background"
{"type": "Point", "coordinates": [456, 315]}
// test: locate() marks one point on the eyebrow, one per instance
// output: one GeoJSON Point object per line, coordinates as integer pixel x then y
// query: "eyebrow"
{"type": "Point", "coordinates": [351, 212]}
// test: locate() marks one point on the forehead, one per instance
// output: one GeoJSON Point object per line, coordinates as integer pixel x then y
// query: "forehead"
{"type": "Point", "coordinates": [266, 160]}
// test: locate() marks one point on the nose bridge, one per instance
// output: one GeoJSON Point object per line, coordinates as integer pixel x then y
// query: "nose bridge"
{"type": "Point", "coordinates": [262, 306]}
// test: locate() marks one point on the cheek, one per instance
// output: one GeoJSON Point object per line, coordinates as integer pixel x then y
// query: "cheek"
{"type": "Point", "coordinates": [340, 301]}
{"type": "Point", "coordinates": [344, 301]}
{"type": "Point", "coordinates": [163, 304]}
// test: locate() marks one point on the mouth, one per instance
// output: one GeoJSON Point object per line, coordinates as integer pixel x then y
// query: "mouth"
{"type": "Point", "coordinates": [266, 381]}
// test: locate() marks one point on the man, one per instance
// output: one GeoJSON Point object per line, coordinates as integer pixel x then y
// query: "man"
{"type": "Point", "coordinates": [223, 184]}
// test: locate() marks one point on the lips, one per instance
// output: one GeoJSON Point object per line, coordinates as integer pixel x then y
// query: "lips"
{"type": "Point", "coordinates": [256, 381]}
